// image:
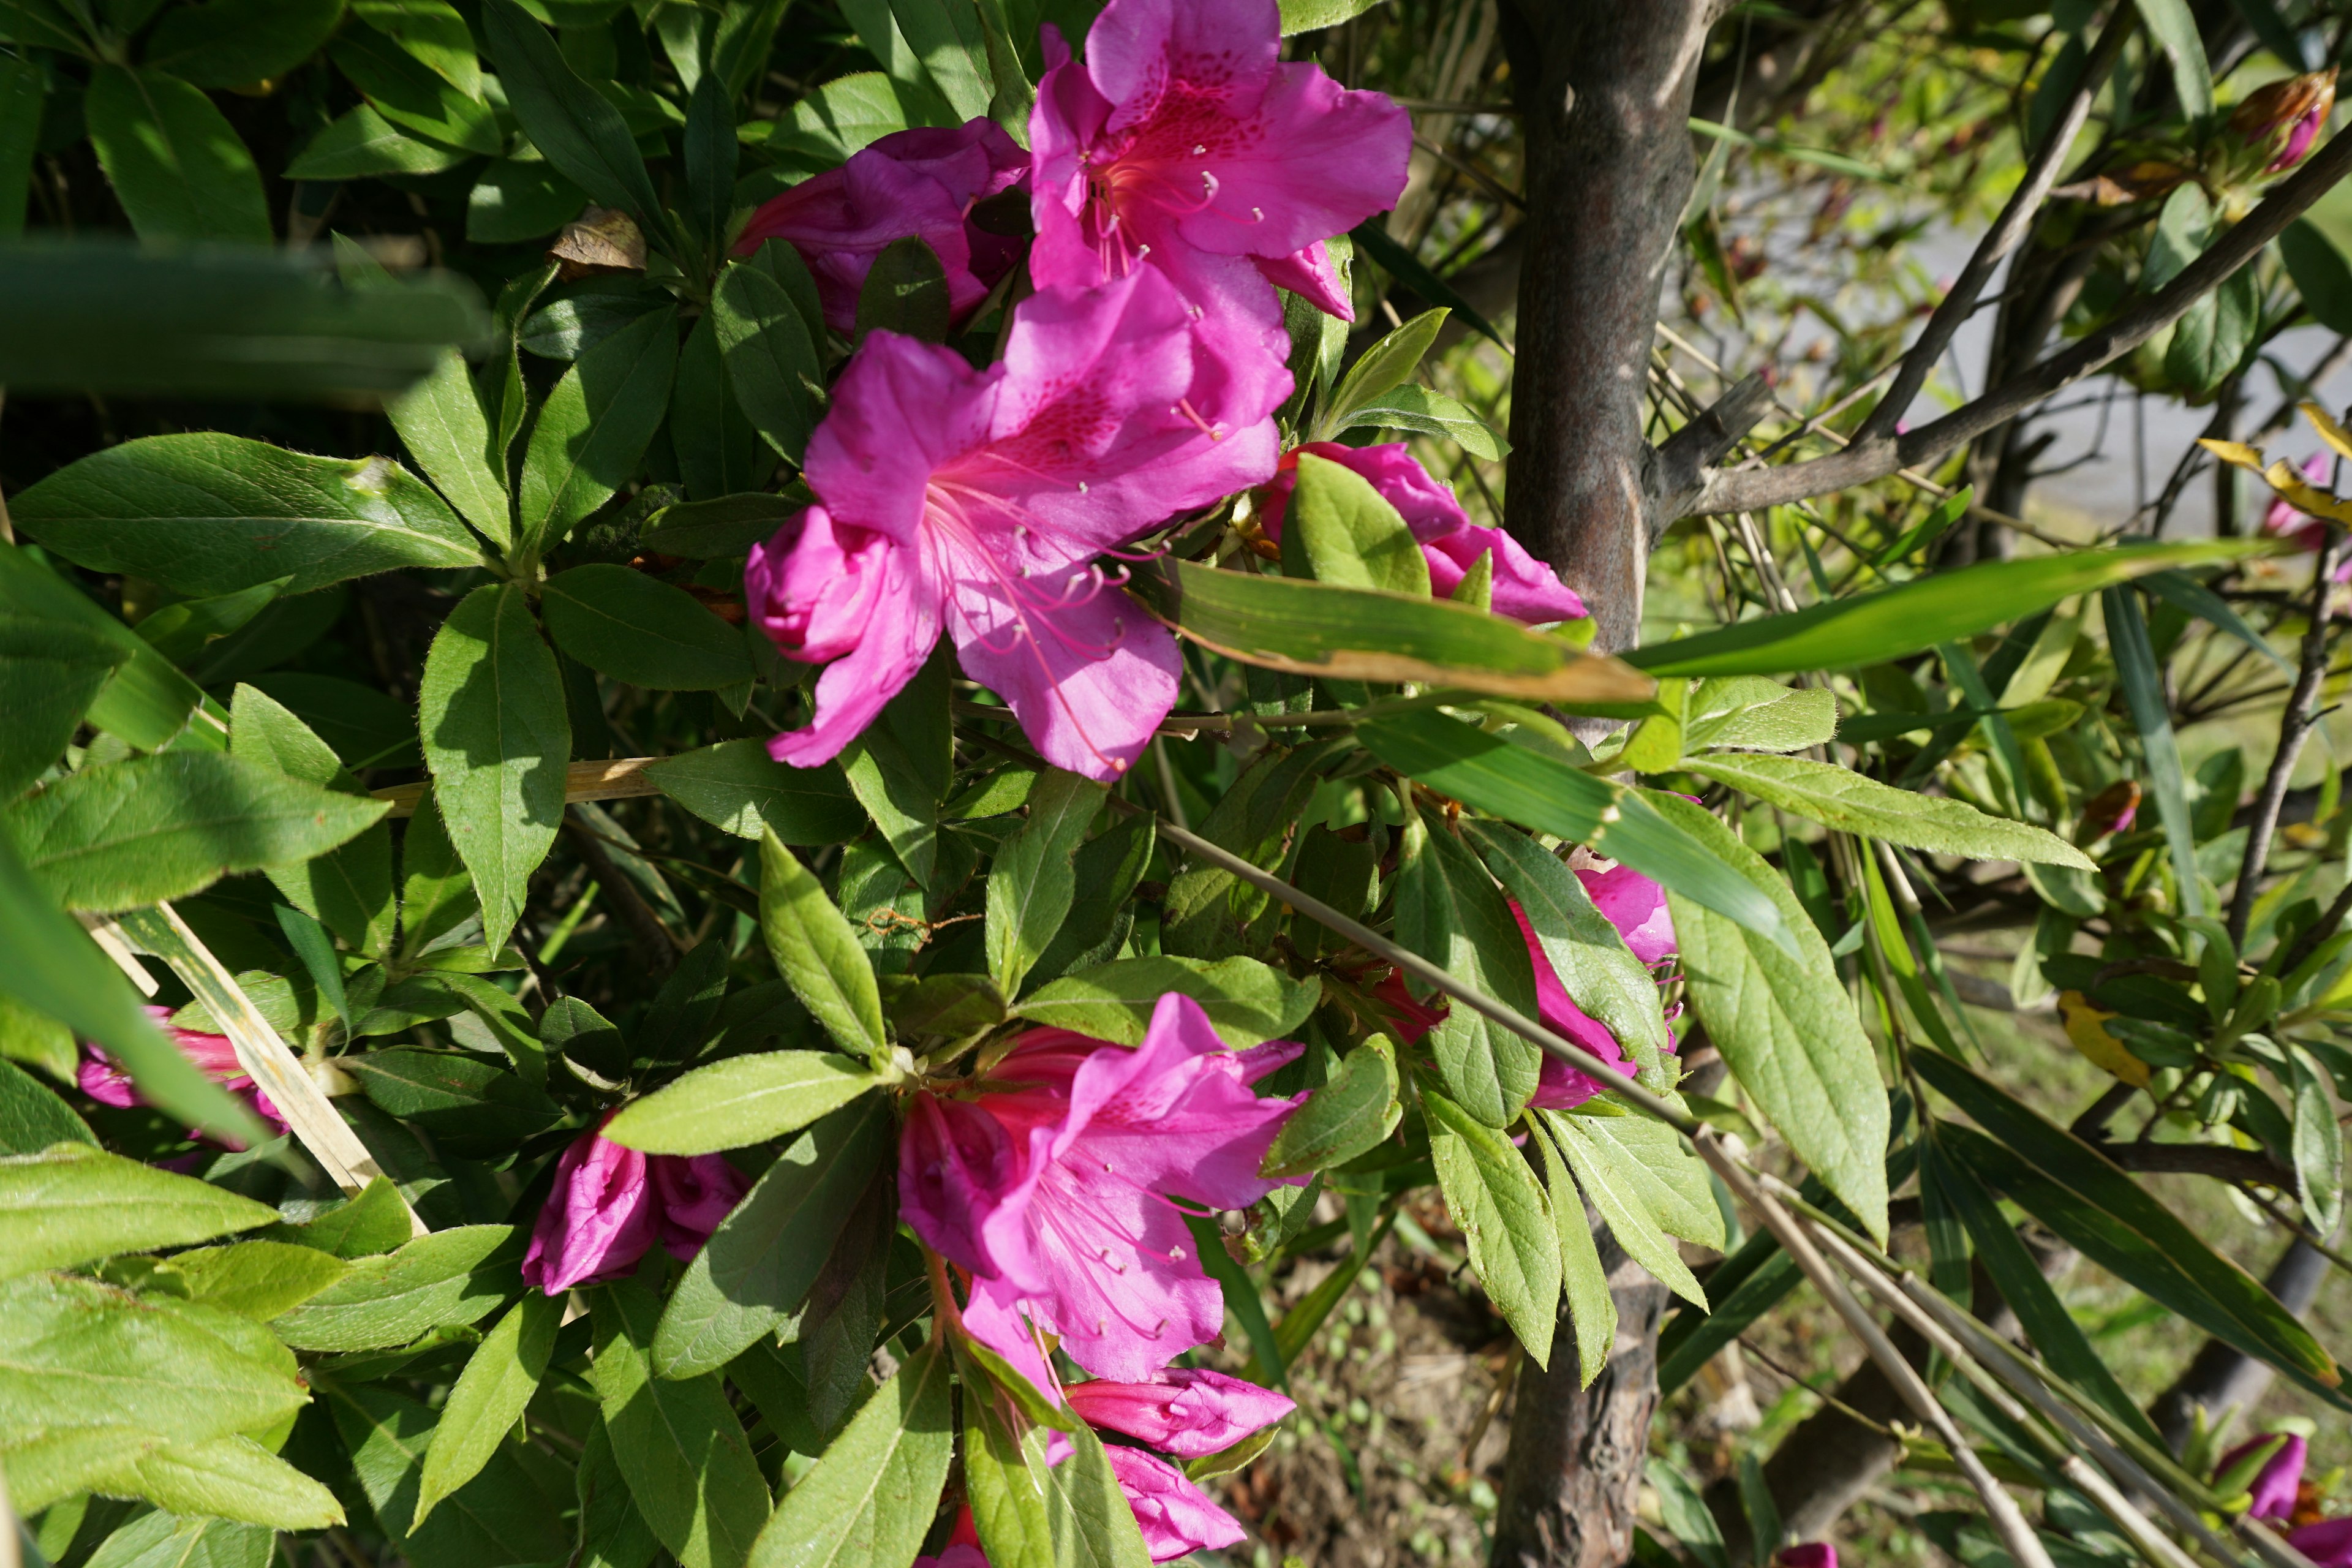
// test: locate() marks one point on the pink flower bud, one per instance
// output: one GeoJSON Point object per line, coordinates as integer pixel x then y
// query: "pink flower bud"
{"type": "Point", "coordinates": [1811, 1554]}
{"type": "Point", "coordinates": [610, 1204]}
{"type": "Point", "coordinates": [1175, 1516]}
{"type": "Point", "coordinates": [2273, 1486]}
{"type": "Point", "coordinates": [2283, 119]}
{"type": "Point", "coordinates": [1181, 1411]}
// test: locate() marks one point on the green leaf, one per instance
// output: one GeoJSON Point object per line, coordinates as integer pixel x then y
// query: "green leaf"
{"type": "Point", "coordinates": [412, 94]}
{"type": "Point", "coordinates": [167, 1541]}
{"type": "Point", "coordinates": [504, 1516]}
{"type": "Point", "coordinates": [740, 1101]}
{"type": "Point", "coordinates": [818, 954]}
{"type": "Point", "coordinates": [453, 1275]}
{"type": "Point", "coordinates": [23, 86]}
{"type": "Point", "coordinates": [259, 1279]}
{"type": "Point", "coordinates": [2320, 273]}
{"type": "Point", "coordinates": [461, 1099]}
{"type": "Point", "coordinates": [1032, 882]}
{"type": "Point", "coordinates": [492, 716]}
{"type": "Point", "coordinates": [1544, 792]}
{"type": "Point", "coordinates": [2144, 695]}
{"type": "Point", "coordinates": [1628, 1193]}
{"type": "Point", "coordinates": [946, 40]}
{"type": "Point", "coordinates": [639, 629]}
{"type": "Point", "coordinates": [436, 892]}
{"type": "Point", "coordinates": [134, 832]}
{"type": "Point", "coordinates": [1854, 803]}
{"type": "Point", "coordinates": [771, 362]}
{"type": "Point", "coordinates": [1600, 973]}
{"type": "Point", "coordinates": [756, 1270]}
{"type": "Point", "coordinates": [361, 143]}
{"type": "Point", "coordinates": [719, 529]}
{"type": "Point", "coordinates": [1340, 632]}
{"type": "Point", "coordinates": [74, 1203]}
{"type": "Point", "coordinates": [50, 673]}
{"type": "Point", "coordinates": [1247, 1003]}
{"type": "Point", "coordinates": [1349, 1115]}
{"type": "Point", "coordinates": [569, 121]}
{"type": "Point", "coordinates": [375, 1221]}
{"type": "Point", "coordinates": [181, 631]}
{"type": "Point", "coordinates": [175, 164]}
{"type": "Point", "coordinates": [1873, 629]}
{"type": "Point", "coordinates": [1592, 1309]}
{"type": "Point", "coordinates": [869, 1501]}
{"type": "Point", "coordinates": [718, 452]}
{"type": "Point", "coordinates": [489, 1397]}
{"type": "Point", "coordinates": [596, 425]}
{"type": "Point", "coordinates": [231, 1478]}
{"type": "Point", "coordinates": [612, 1533]}
{"type": "Point", "coordinates": [1449, 910]}
{"type": "Point", "coordinates": [1344, 531]}
{"type": "Point", "coordinates": [1307, 16]}
{"type": "Point", "coordinates": [1418, 411]}
{"type": "Point", "coordinates": [736, 786]}
{"type": "Point", "coordinates": [442, 423]}
{"type": "Point", "coordinates": [1750, 713]}
{"type": "Point", "coordinates": [2174, 28]}
{"type": "Point", "coordinates": [906, 292]}
{"type": "Point", "coordinates": [1506, 1220]}
{"type": "Point", "coordinates": [432, 31]}
{"type": "Point", "coordinates": [900, 768]}
{"type": "Point", "coordinates": [1783, 1022]}
{"type": "Point", "coordinates": [205, 514]}
{"type": "Point", "coordinates": [690, 1466]}
{"type": "Point", "coordinates": [1092, 1523]}
{"type": "Point", "coordinates": [32, 1116]}
{"type": "Point", "coordinates": [234, 43]}
{"type": "Point", "coordinates": [55, 970]}
{"type": "Point", "coordinates": [1381, 368]}
{"type": "Point", "coordinates": [2317, 1141]}
{"type": "Point", "coordinates": [516, 199]}
{"type": "Point", "coordinates": [1004, 1482]}
{"type": "Point", "coordinates": [350, 886]}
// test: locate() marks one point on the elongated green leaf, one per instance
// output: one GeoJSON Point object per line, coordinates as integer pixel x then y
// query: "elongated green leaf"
{"type": "Point", "coordinates": [497, 739]}
{"type": "Point", "coordinates": [503, 1514]}
{"type": "Point", "coordinates": [1628, 1196]}
{"type": "Point", "coordinates": [2174, 28]}
{"type": "Point", "coordinates": [1349, 1114]}
{"type": "Point", "coordinates": [1007, 1488]}
{"type": "Point", "coordinates": [231, 1478]}
{"type": "Point", "coordinates": [360, 143]}
{"type": "Point", "coordinates": [1853, 803]}
{"type": "Point", "coordinates": [740, 1101]}
{"type": "Point", "coordinates": [74, 1203]}
{"type": "Point", "coordinates": [1093, 1524]}
{"type": "Point", "coordinates": [906, 292]}
{"type": "Point", "coordinates": [2317, 1143]}
{"type": "Point", "coordinates": [688, 1464]}
{"type": "Point", "coordinates": [1359, 634]}
{"type": "Point", "coordinates": [635, 628]}
{"type": "Point", "coordinates": [1871, 628]}
{"type": "Point", "coordinates": [489, 1397]}
{"type": "Point", "coordinates": [567, 119]}
{"type": "Point", "coordinates": [594, 426]}
{"type": "Point", "coordinates": [2143, 688]}
{"type": "Point", "coordinates": [869, 1501]}
{"type": "Point", "coordinates": [453, 1275]}
{"type": "Point", "coordinates": [1032, 882]}
{"type": "Point", "coordinates": [260, 1280]}
{"type": "Point", "coordinates": [1247, 1003]}
{"type": "Point", "coordinates": [836, 120]}
{"type": "Point", "coordinates": [717, 529]}
{"type": "Point", "coordinates": [350, 886]}
{"type": "Point", "coordinates": [1344, 531]}
{"type": "Point", "coordinates": [1543, 791]}
{"type": "Point", "coordinates": [1385, 366]}
{"type": "Point", "coordinates": [760, 1263]}
{"type": "Point", "coordinates": [770, 358]}
{"type": "Point", "coordinates": [1592, 1309]}
{"type": "Point", "coordinates": [1784, 1024]}
{"type": "Point", "coordinates": [1418, 411]}
{"type": "Point", "coordinates": [175, 164]}
{"type": "Point", "coordinates": [32, 1116]}
{"type": "Point", "coordinates": [447, 432]}
{"type": "Point", "coordinates": [1505, 1217]}
{"type": "Point", "coordinates": [817, 953]}
{"type": "Point", "coordinates": [736, 786]}
{"type": "Point", "coordinates": [237, 43]}
{"type": "Point", "coordinates": [1748, 713]}
{"type": "Point", "coordinates": [413, 95]}
{"type": "Point", "coordinates": [204, 513]}
{"type": "Point", "coordinates": [50, 673]}
{"type": "Point", "coordinates": [1449, 910]}
{"type": "Point", "coordinates": [1600, 973]}
{"type": "Point", "coordinates": [130, 833]}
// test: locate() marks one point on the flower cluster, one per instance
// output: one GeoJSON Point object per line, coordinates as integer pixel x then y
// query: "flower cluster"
{"type": "Point", "coordinates": [1173, 180]}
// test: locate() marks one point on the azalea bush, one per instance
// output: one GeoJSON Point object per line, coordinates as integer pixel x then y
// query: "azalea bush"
{"type": "Point", "coordinates": [776, 812]}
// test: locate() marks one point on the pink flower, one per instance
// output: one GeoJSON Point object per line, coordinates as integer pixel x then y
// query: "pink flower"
{"type": "Point", "coordinates": [103, 1079]}
{"type": "Point", "coordinates": [611, 1204]}
{"type": "Point", "coordinates": [1184, 138]}
{"type": "Point", "coordinates": [923, 182]}
{"type": "Point", "coordinates": [1525, 588]}
{"type": "Point", "coordinates": [2275, 1484]}
{"type": "Point", "coordinates": [976, 502]}
{"type": "Point", "coordinates": [2285, 118]}
{"type": "Point", "coordinates": [1175, 1515]}
{"type": "Point", "coordinates": [1811, 1554]}
{"type": "Point", "coordinates": [1052, 1188]}
{"type": "Point", "coordinates": [963, 1548]}
{"type": "Point", "coordinates": [2328, 1544]}
{"type": "Point", "coordinates": [1181, 1412]}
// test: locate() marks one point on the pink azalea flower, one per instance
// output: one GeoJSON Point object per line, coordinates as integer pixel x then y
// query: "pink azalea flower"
{"type": "Point", "coordinates": [2274, 1487]}
{"type": "Point", "coordinates": [976, 502]}
{"type": "Point", "coordinates": [1811, 1554]}
{"type": "Point", "coordinates": [963, 1548]}
{"type": "Point", "coordinates": [923, 182]}
{"type": "Point", "coordinates": [1525, 588]}
{"type": "Point", "coordinates": [1186, 1413]}
{"type": "Point", "coordinates": [103, 1079]}
{"type": "Point", "coordinates": [1175, 1515]}
{"type": "Point", "coordinates": [1183, 139]}
{"type": "Point", "coordinates": [2328, 1544]}
{"type": "Point", "coordinates": [611, 1204]}
{"type": "Point", "coordinates": [1052, 1188]}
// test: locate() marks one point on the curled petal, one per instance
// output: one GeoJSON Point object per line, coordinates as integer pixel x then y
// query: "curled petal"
{"type": "Point", "coordinates": [1186, 1413]}
{"type": "Point", "coordinates": [598, 1220]}
{"type": "Point", "coordinates": [1175, 1515]}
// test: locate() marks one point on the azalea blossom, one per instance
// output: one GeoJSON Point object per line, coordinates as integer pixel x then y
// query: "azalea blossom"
{"type": "Point", "coordinates": [102, 1078]}
{"type": "Point", "coordinates": [1175, 1515]}
{"type": "Point", "coordinates": [2328, 1544]}
{"type": "Point", "coordinates": [1184, 142]}
{"type": "Point", "coordinates": [1185, 1411]}
{"type": "Point", "coordinates": [977, 501]}
{"type": "Point", "coordinates": [925, 183]}
{"type": "Point", "coordinates": [1523, 588]}
{"type": "Point", "coordinates": [611, 1204]}
{"type": "Point", "coordinates": [1050, 1186]}
{"type": "Point", "coordinates": [963, 1548]}
{"type": "Point", "coordinates": [2283, 118]}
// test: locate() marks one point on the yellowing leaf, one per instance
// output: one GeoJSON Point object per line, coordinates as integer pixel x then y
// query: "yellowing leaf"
{"type": "Point", "coordinates": [2331, 433]}
{"type": "Point", "coordinates": [2086, 1027]}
